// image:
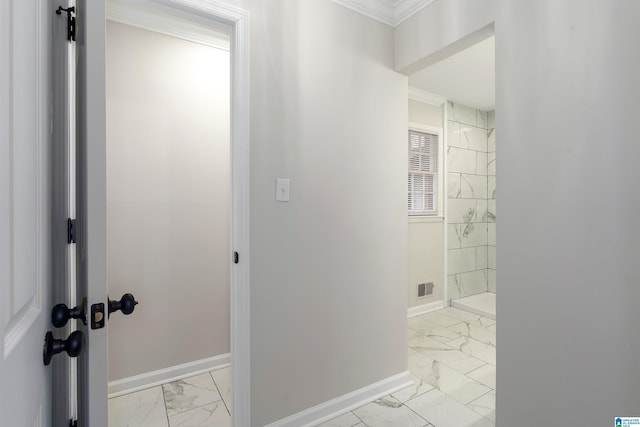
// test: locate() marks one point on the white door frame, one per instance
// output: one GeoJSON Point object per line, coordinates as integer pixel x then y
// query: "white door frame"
{"type": "Point", "coordinates": [237, 20]}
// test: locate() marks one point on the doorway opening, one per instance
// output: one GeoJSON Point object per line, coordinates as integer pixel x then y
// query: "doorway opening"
{"type": "Point", "coordinates": [452, 246]}
{"type": "Point", "coordinates": [177, 214]}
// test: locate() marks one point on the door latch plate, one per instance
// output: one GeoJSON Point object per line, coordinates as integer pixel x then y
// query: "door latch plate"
{"type": "Point", "coordinates": [97, 316]}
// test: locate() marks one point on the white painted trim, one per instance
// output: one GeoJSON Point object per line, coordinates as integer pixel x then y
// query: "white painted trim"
{"type": "Point", "coordinates": [423, 96]}
{"type": "Point", "coordinates": [217, 13]}
{"type": "Point", "coordinates": [166, 375]}
{"type": "Point", "coordinates": [139, 15]}
{"type": "Point", "coordinates": [380, 10]}
{"type": "Point", "coordinates": [425, 308]}
{"type": "Point", "coordinates": [405, 9]}
{"type": "Point", "coordinates": [445, 205]}
{"type": "Point", "coordinates": [390, 12]}
{"type": "Point", "coordinates": [345, 403]}
{"type": "Point", "coordinates": [413, 219]}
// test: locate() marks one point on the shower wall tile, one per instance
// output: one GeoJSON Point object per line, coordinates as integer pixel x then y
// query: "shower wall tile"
{"type": "Point", "coordinates": [482, 257]}
{"type": "Point", "coordinates": [462, 260]}
{"type": "Point", "coordinates": [462, 114]}
{"type": "Point", "coordinates": [491, 235]}
{"type": "Point", "coordinates": [481, 163]}
{"type": "Point", "coordinates": [491, 210]}
{"type": "Point", "coordinates": [471, 192]}
{"type": "Point", "coordinates": [453, 236]}
{"type": "Point", "coordinates": [472, 283]}
{"type": "Point", "coordinates": [491, 278]}
{"type": "Point", "coordinates": [481, 208]}
{"type": "Point", "coordinates": [491, 119]}
{"type": "Point", "coordinates": [461, 160]}
{"type": "Point", "coordinates": [462, 211]}
{"type": "Point", "coordinates": [473, 186]}
{"type": "Point", "coordinates": [453, 186]}
{"type": "Point", "coordinates": [482, 119]}
{"type": "Point", "coordinates": [473, 234]}
{"type": "Point", "coordinates": [454, 136]}
{"type": "Point", "coordinates": [454, 286]}
{"type": "Point", "coordinates": [491, 187]}
{"type": "Point", "coordinates": [476, 138]}
{"type": "Point", "coordinates": [491, 140]}
{"type": "Point", "coordinates": [491, 163]}
{"type": "Point", "coordinates": [467, 284]}
{"type": "Point", "coordinates": [491, 252]}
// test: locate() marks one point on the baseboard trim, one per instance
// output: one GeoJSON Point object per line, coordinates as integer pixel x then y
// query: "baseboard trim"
{"type": "Point", "coordinates": [162, 376]}
{"type": "Point", "coordinates": [345, 403]}
{"type": "Point", "coordinates": [425, 308]}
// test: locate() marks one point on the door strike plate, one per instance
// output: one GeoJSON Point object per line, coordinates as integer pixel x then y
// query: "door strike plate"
{"type": "Point", "coordinates": [97, 316]}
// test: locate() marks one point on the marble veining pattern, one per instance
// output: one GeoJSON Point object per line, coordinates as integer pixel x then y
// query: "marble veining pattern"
{"type": "Point", "coordinates": [190, 393]}
{"type": "Point", "coordinates": [144, 408]}
{"type": "Point", "coordinates": [211, 415]}
{"type": "Point", "coordinates": [451, 361]}
{"type": "Point", "coordinates": [471, 192]}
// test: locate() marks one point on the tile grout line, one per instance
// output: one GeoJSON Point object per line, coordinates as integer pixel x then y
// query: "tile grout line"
{"type": "Point", "coordinates": [220, 393]}
{"type": "Point", "coordinates": [164, 399]}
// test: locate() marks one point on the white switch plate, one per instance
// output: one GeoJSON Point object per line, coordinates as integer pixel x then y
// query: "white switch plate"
{"type": "Point", "coordinates": [282, 190]}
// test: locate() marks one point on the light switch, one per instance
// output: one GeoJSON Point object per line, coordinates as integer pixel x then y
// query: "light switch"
{"type": "Point", "coordinates": [282, 190]}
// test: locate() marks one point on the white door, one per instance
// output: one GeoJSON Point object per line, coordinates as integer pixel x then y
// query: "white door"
{"type": "Point", "coordinates": [91, 210]}
{"type": "Point", "coordinates": [25, 206]}
{"type": "Point", "coordinates": [91, 207]}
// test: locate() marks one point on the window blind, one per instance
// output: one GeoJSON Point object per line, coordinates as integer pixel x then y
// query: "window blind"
{"type": "Point", "coordinates": [423, 169]}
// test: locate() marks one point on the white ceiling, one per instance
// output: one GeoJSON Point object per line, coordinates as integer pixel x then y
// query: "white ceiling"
{"type": "Point", "coordinates": [467, 78]}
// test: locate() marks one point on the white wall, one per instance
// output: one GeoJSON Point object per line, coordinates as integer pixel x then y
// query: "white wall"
{"type": "Point", "coordinates": [426, 238]}
{"type": "Point", "coordinates": [168, 199]}
{"type": "Point", "coordinates": [568, 247]}
{"type": "Point", "coordinates": [329, 268]}
{"type": "Point", "coordinates": [441, 29]}
{"type": "Point", "coordinates": [567, 94]}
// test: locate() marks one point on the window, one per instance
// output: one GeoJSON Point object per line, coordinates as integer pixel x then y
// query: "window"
{"type": "Point", "coordinates": [423, 173]}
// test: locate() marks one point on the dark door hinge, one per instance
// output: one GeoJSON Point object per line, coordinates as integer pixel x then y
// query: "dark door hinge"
{"type": "Point", "coordinates": [71, 230]}
{"type": "Point", "coordinates": [73, 423]}
{"type": "Point", "coordinates": [71, 21]}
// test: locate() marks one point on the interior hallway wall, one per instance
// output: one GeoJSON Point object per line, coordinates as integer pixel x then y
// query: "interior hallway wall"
{"type": "Point", "coordinates": [426, 235]}
{"type": "Point", "coordinates": [567, 99]}
{"type": "Point", "coordinates": [168, 199]}
{"type": "Point", "coordinates": [568, 203]}
{"type": "Point", "coordinates": [328, 268]}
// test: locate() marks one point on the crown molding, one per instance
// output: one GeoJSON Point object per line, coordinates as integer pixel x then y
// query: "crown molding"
{"type": "Point", "coordinates": [390, 12]}
{"type": "Point", "coordinates": [419, 95]}
{"type": "Point", "coordinates": [404, 9]}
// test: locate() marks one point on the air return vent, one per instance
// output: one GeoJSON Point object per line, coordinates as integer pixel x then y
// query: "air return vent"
{"type": "Point", "coordinates": [425, 289]}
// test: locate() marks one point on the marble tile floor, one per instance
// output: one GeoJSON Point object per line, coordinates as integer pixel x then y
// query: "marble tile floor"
{"type": "Point", "coordinates": [201, 400]}
{"type": "Point", "coordinates": [452, 360]}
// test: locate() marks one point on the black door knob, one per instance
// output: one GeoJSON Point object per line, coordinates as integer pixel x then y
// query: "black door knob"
{"type": "Point", "coordinates": [60, 314]}
{"type": "Point", "coordinates": [52, 346]}
{"type": "Point", "coordinates": [126, 304]}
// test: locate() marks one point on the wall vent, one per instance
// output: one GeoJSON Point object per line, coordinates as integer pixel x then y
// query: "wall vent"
{"type": "Point", "coordinates": [425, 289]}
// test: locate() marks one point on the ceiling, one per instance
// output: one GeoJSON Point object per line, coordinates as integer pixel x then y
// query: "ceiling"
{"type": "Point", "coordinates": [467, 78]}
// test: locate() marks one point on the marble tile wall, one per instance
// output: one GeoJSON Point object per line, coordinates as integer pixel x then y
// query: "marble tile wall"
{"type": "Point", "coordinates": [491, 202]}
{"type": "Point", "coordinates": [471, 201]}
